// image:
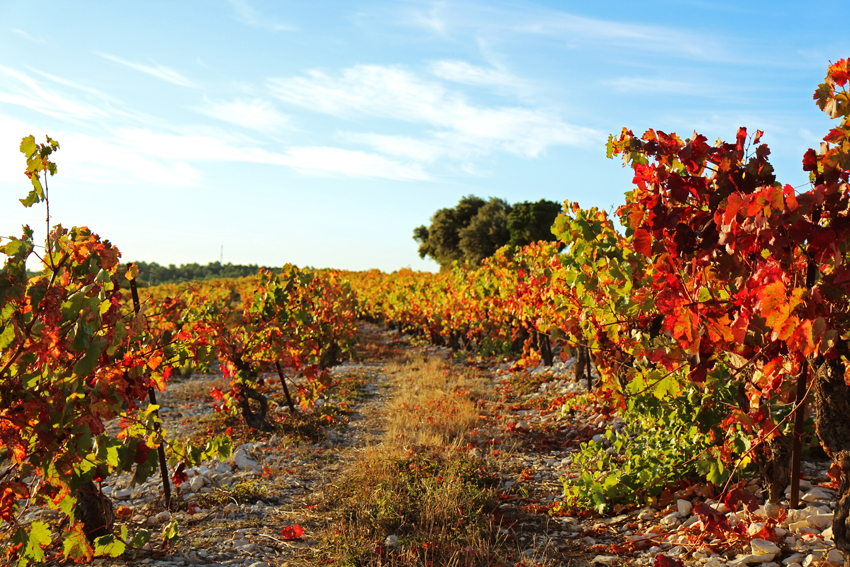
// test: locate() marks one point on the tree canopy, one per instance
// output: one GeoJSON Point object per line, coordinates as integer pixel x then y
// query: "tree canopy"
{"type": "Point", "coordinates": [474, 229]}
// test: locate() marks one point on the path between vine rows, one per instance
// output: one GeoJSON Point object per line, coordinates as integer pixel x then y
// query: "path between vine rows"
{"type": "Point", "coordinates": [276, 482]}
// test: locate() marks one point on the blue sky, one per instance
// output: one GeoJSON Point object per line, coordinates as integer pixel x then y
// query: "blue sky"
{"type": "Point", "coordinates": [323, 133]}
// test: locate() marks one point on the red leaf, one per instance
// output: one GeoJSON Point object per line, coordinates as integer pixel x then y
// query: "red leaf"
{"type": "Point", "coordinates": [738, 496]}
{"type": "Point", "coordinates": [180, 476]}
{"type": "Point", "coordinates": [664, 561]}
{"type": "Point", "coordinates": [643, 242]}
{"type": "Point", "coordinates": [810, 160]}
{"type": "Point", "coordinates": [709, 515]}
{"type": "Point", "coordinates": [10, 493]}
{"type": "Point", "coordinates": [733, 205]}
{"type": "Point", "coordinates": [292, 532]}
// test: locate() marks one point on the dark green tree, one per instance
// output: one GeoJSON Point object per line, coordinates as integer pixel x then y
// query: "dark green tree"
{"type": "Point", "coordinates": [532, 222]}
{"type": "Point", "coordinates": [486, 232]}
{"type": "Point", "coordinates": [475, 229]}
{"type": "Point", "coordinates": [441, 240]}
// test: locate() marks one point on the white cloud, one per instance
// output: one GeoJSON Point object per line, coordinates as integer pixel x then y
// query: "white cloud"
{"type": "Point", "coordinates": [27, 92]}
{"type": "Point", "coordinates": [431, 20]}
{"type": "Point", "coordinates": [156, 70]}
{"type": "Point", "coordinates": [256, 114]}
{"type": "Point", "coordinates": [463, 72]}
{"type": "Point", "coordinates": [246, 14]}
{"type": "Point", "coordinates": [307, 159]}
{"type": "Point", "coordinates": [353, 163]}
{"type": "Point", "coordinates": [422, 151]}
{"type": "Point", "coordinates": [396, 93]}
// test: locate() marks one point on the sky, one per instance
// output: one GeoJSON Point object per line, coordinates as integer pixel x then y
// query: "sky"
{"type": "Point", "coordinates": [322, 133]}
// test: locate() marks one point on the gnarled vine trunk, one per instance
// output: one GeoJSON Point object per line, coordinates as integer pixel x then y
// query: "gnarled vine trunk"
{"type": "Point", "coordinates": [94, 510]}
{"type": "Point", "coordinates": [582, 366]}
{"type": "Point", "coordinates": [254, 419]}
{"type": "Point", "coordinates": [832, 403]}
{"type": "Point", "coordinates": [774, 461]}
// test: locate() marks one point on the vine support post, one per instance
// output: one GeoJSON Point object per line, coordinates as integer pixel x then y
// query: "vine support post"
{"type": "Point", "coordinates": [800, 402]}
{"type": "Point", "coordinates": [285, 388]}
{"type": "Point", "coordinates": [799, 421]}
{"type": "Point", "coordinates": [163, 463]}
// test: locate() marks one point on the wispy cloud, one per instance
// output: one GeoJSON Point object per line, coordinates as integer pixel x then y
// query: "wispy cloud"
{"type": "Point", "coordinates": [23, 90]}
{"type": "Point", "coordinates": [350, 163]}
{"type": "Point", "coordinates": [421, 151]}
{"type": "Point", "coordinates": [156, 70]}
{"type": "Point", "coordinates": [463, 72]}
{"type": "Point", "coordinates": [256, 114]}
{"type": "Point", "coordinates": [430, 19]}
{"type": "Point", "coordinates": [397, 93]}
{"type": "Point", "coordinates": [504, 21]}
{"type": "Point", "coordinates": [27, 36]}
{"type": "Point", "coordinates": [248, 15]}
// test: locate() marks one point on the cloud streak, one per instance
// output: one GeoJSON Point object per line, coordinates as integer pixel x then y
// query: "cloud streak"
{"type": "Point", "coordinates": [255, 114]}
{"type": "Point", "coordinates": [156, 70]}
{"type": "Point", "coordinates": [246, 14]}
{"type": "Point", "coordinates": [396, 93]}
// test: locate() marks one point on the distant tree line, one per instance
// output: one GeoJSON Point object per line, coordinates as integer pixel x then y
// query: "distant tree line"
{"type": "Point", "coordinates": [475, 229]}
{"type": "Point", "coordinates": [152, 273]}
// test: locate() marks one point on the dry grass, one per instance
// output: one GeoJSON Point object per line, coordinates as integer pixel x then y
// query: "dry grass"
{"type": "Point", "coordinates": [434, 404]}
{"type": "Point", "coordinates": [415, 499]}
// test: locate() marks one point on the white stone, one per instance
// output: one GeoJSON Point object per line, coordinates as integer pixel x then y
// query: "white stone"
{"type": "Point", "coordinates": [827, 533]}
{"type": "Point", "coordinates": [818, 493]}
{"type": "Point", "coordinates": [819, 521]}
{"type": "Point", "coordinates": [764, 547]}
{"type": "Point", "coordinates": [755, 559]}
{"type": "Point", "coordinates": [123, 494]}
{"type": "Point", "coordinates": [835, 557]}
{"type": "Point", "coordinates": [197, 483]}
{"type": "Point", "coordinates": [606, 560]}
{"type": "Point", "coordinates": [691, 521]}
{"type": "Point", "coordinates": [684, 507]}
{"type": "Point", "coordinates": [796, 558]}
{"type": "Point", "coordinates": [242, 461]}
{"type": "Point", "coordinates": [391, 541]}
{"type": "Point", "coordinates": [670, 519]}
{"type": "Point", "coordinates": [797, 526]}
{"type": "Point", "coordinates": [755, 528]}
{"type": "Point", "coordinates": [647, 514]}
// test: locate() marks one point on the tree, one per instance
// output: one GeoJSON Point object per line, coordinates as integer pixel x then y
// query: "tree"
{"type": "Point", "coordinates": [532, 222]}
{"type": "Point", "coordinates": [486, 232]}
{"type": "Point", "coordinates": [441, 240]}
{"type": "Point", "coordinates": [475, 229]}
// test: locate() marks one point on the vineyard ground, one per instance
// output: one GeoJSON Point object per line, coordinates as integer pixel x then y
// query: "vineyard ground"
{"type": "Point", "coordinates": [411, 459]}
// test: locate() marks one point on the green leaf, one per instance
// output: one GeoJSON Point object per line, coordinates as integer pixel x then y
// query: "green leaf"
{"type": "Point", "coordinates": [86, 364]}
{"type": "Point", "coordinates": [140, 539]}
{"type": "Point", "coordinates": [171, 532]}
{"type": "Point", "coordinates": [28, 146]}
{"type": "Point", "coordinates": [76, 545]}
{"type": "Point", "coordinates": [33, 542]}
{"type": "Point", "coordinates": [109, 545]}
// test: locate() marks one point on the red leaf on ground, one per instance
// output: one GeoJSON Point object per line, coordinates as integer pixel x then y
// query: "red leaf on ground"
{"type": "Point", "coordinates": [739, 496]}
{"type": "Point", "coordinates": [664, 561]}
{"type": "Point", "coordinates": [292, 532]}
